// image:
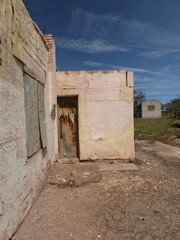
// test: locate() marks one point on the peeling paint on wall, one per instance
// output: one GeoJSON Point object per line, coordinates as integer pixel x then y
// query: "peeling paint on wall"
{"type": "Point", "coordinates": [106, 127]}
{"type": "Point", "coordinates": [102, 124]}
{"type": "Point", "coordinates": [23, 48]}
{"type": "Point", "coordinates": [67, 113]}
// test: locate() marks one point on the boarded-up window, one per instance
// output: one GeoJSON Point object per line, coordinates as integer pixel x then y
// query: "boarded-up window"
{"type": "Point", "coordinates": [151, 108]}
{"type": "Point", "coordinates": [35, 115]}
{"type": "Point", "coordinates": [42, 114]}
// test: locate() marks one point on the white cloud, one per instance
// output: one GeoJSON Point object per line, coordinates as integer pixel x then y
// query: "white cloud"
{"type": "Point", "coordinates": [159, 53]}
{"type": "Point", "coordinates": [112, 66]}
{"type": "Point", "coordinates": [93, 64]}
{"type": "Point", "coordinates": [94, 46]}
{"type": "Point", "coordinates": [131, 33]}
{"type": "Point", "coordinates": [78, 12]}
{"type": "Point", "coordinates": [146, 35]}
{"type": "Point", "coordinates": [149, 34]}
{"type": "Point", "coordinates": [90, 25]}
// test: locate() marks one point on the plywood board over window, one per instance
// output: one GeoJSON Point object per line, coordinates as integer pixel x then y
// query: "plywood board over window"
{"type": "Point", "coordinates": [151, 108]}
{"type": "Point", "coordinates": [35, 115]}
{"type": "Point", "coordinates": [42, 114]}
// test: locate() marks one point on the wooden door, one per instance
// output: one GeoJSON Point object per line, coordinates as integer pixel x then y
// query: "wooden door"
{"type": "Point", "coordinates": [68, 128]}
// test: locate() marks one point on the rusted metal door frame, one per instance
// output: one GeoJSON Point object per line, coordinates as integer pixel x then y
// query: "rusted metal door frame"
{"type": "Point", "coordinates": [77, 122]}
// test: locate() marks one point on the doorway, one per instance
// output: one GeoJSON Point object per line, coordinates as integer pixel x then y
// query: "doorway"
{"type": "Point", "coordinates": [68, 127]}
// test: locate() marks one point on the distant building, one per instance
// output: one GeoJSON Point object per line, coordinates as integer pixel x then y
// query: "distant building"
{"type": "Point", "coordinates": [151, 109]}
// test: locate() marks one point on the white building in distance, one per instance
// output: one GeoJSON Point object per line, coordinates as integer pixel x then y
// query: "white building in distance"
{"type": "Point", "coordinates": [151, 109]}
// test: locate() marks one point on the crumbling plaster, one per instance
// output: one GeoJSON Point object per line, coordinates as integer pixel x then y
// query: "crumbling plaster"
{"type": "Point", "coordinates": [105, 106]}
{"type": "Point", "coordinates": [23, 48]}
{"type": "Point", "coordinates": [106, 129]}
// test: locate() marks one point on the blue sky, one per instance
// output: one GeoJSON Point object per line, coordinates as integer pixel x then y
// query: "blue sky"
{"type": "Point", "coordinates": [138, 35]}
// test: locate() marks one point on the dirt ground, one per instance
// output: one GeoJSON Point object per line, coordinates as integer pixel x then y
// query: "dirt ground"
{"type": "Point", "coordinates": [142, 205]}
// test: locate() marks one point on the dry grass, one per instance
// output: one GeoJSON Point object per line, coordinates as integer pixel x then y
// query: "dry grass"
{"type": "Point", "coordinates": [156, 129]}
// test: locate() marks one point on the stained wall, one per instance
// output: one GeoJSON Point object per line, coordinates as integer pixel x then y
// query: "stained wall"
{"type": "Point", "coordinates": [23, 48]}
{"type": "Point", "coordinates": [105, 111]}
{"type": "Point", "coordinates": [105, 104]}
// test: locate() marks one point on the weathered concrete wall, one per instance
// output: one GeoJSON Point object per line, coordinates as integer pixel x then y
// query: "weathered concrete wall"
{"type": "Point", "coordinates": [148, 111]}
{"type": "Point", "coordinates": [22, 49]}
{"type": "Point", "coordinates": [106, 127]}
{"type": "Point", "coordinates": [51, 101]}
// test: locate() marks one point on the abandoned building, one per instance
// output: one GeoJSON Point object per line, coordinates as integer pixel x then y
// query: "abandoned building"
{"type": "Point", "coordinates": [151, 109]}
{"type": "Point", "coordinates": [100, 112]}
{"type": "Point", "coordinates": [46, 115]}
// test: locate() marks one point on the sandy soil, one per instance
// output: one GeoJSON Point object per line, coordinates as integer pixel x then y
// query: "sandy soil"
{"type": "Point", "coordinates": [143, 205]}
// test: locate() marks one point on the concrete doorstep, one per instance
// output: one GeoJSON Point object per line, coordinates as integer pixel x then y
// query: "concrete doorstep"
{"type": "Point", "coordinates": [78, 174]}
{"type": "Point", "coordinates": [120, 167]}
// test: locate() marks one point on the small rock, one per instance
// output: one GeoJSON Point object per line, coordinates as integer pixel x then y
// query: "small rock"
{"type": "Point", "coordinates": [86, 173]}
{"type": "Point", "coordinates": [156, 211]}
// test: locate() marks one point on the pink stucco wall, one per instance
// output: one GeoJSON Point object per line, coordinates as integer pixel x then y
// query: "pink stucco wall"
{"type": "Point", "coordinates": [106, 128]}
